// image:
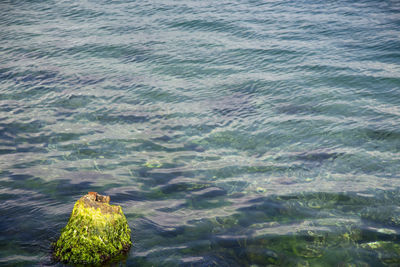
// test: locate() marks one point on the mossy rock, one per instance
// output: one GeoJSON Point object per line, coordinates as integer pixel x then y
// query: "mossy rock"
{"type": "Point", "coordinates": [96, 232]}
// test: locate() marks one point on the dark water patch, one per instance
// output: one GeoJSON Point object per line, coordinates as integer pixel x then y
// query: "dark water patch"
{"type": "Point", "coordinates": [343, 110]}
{"type": "Point", "coordinates": [238, 171]}
{"type": "Point", "coordinates": [191, 71]}
{"type": "Point", "coordinates": [34, 77]}
{"type": "Point", "coordinates": [91, 80]}
{"type": "Point", "coordinates": [291, 109]}
{"type": "Point", "coordinates": [137, 195]}
{"type": "Point", "coordinates": [80, 12]}
{"type": "Point", "coordinates": [43, 139]}
{"type": "Point", "coordinates": [266, 56]}
{"type": "Point", "coordinates": [34, 143]}
{"type": "Point", "coordinates": [175, 187]}
{"type": "Point", "coordinates": [324, 69]}
{"type": "Point", "coordinates": [128, 196]}
{"type": "Point", "coordinates": [382, 134]}
{"type": "Point", "coordinates": [212, 199]}
{"type": "Point", "coordinates": [126, 54]}
{"type": "Point", "coordinates": [153, 177]}
{"type": "Point", "coordinates": [164, 138]}
{"type": "Point", "coordinates": [74, 102]}
{"type": "Point", "coordinates": [235, 188]}
{"type": "Point", "coordinates": [260, 210]}
{"type": "Point", "coordinates": [321, 200]}
{"type": "Point", "coordinates": [191, 130]}
{"type": "Point", "coordinates": [41, 77]}
{"type": "Point", "coordinates": [61, 189]}
{"type": "Point", "coordinates": [14, 129]}
{"type": "Point", "coordinates": [83, 153]}
{"type": "Point", "coordinates": [267, 59]}
{"type": "Point", "coordinates": [204, 25]}
{"type": "Point", "coordinates": [232, 134]}
{"type": "Point", "coordinates": [387, 57]}
{"type": "Point", "coordinates": [382, 216]}
{"type": "Point", "coordinates": [364, 85]}
{"type": "Point", "coordinates": [145, 145]}
{"type": "Point", "coordinates": [171, 209]}
{"type": "Point", "coordinates": [107, 143]}
{"type": "Point", "coordinates": [6, 73]}
{"type": "Point", "coordinates": [7, 151]}
{"type": "Point", "coordinates": [231, 139]}
{"type": "Point", "coordinates": [208, 193]}
{"type": "Point", "coordinates": [123, 29]}
{"type": "Point", "coordinates": [33, 53]}
{"type": "Point", "coordinates": [249, 89]}
{"type": "Point", "coordinates": [317, 156]}
{"type": "Point", "coordinates": [233, 106]}
{"type": "Point", "coordinates": [390, 44]}
{"type": "Point", "coordinates": [29, 164]}
{"type": "Point", "coordinates": [378, 139]}
{"type": "Point", "coordinates": [35, 92]}
{"type": "Point", "coordinates": [151, 95]}
{"type": "Point", "coordinates": [63, 137]}
{"type": "Point", "coordinates": [108, 118]}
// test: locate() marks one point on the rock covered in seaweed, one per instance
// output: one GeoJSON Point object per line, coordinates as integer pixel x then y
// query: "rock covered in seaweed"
{"type": "Point", "coordinates": [96, 232]}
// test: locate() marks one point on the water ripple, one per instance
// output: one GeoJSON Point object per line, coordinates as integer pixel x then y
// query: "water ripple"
{"type": "Point", "coordinates": [232, 133]}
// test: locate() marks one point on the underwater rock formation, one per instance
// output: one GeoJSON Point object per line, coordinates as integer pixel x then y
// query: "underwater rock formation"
{"type": "Point", "coordinates": [96, 232]}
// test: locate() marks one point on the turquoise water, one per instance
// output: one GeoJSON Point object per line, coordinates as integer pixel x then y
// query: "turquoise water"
{"type": "Point", "coordinates": [232, 133]}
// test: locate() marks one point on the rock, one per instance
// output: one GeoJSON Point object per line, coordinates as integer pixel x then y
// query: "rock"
{"type": "Point", "coordinates": [96, 232]}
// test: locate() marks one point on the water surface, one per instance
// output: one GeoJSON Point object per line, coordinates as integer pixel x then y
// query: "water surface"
{"type": "Point", "coordinates": [232, 133]}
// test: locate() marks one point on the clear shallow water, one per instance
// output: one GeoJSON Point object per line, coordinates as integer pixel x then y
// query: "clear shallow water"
{"type": "Point", "coordinates": [231, 133]}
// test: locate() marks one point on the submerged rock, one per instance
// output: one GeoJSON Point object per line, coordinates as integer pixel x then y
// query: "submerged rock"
{"type": "Point", "coordinates": [96, 232]}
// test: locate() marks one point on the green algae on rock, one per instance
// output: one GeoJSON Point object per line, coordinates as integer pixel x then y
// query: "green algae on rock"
{"type": "Point", "coordinates": [96, 232]}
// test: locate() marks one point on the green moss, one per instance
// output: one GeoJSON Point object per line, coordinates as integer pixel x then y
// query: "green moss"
{"type": "Point", "coordinates": [153, 164]}
{"type": "Point", "coordinates": [95, 232]}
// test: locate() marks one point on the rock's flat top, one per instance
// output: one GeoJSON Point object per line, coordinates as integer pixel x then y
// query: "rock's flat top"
{"type": "Point", "coordinates": [97, 201]}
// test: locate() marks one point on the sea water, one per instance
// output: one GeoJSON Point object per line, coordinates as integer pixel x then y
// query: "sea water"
{"type": "Point", "coordinates": [232, 133]}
